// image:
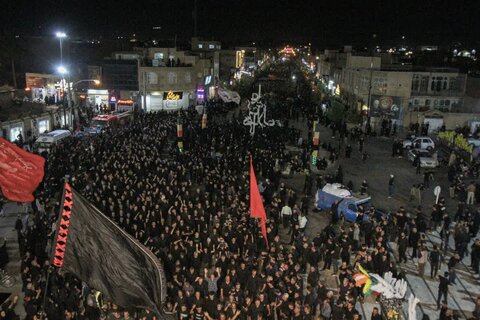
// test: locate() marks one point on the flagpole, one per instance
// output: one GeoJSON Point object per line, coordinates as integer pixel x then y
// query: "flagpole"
{"type": "Point", "coordinates": [52, 249]}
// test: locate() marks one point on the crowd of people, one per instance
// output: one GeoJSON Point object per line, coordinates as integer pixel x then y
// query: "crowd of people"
{"type": "Point", "coordinates": [190, 208]}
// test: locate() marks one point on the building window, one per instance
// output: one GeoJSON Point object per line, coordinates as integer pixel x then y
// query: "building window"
{"type": "Point", "coordinates": [65, 119]}
{"type": "Point", "coordinates": [152, 78]}
{"type": "Point", "coordinates": [424, 84]}
{"type": "Point", "coordinates": [15, 132]}
{"type": "Point", "coordinates": [415, 83]}
{"type": "Point", "coordinates": [447, 103]}
{"type": "Point", "coordinates": [43, 125]}
{"type": "Point", "coordinates": [415, 102]}
{"type": "Point", "coordinates": [158, 55]}
{"type": "Point", "coordinates": [427, 102]}
{"type": "Point", "coordinates": [453, 83]}
{"type": "Point", "coordinates": [172, 78]}
{"type": "Point", "coordinates": [200, 46]}
{"type": "Point", "coordinates": [211, 46]}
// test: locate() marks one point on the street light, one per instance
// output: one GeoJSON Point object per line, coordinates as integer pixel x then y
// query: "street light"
{"type": "Point", "coordinates": [60, 36]}
{"type": "Point", "coordinates": [62, 70]}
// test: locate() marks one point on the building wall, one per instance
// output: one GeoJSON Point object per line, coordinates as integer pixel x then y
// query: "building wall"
{"type": "Point", "coordinates": [362, 62]}
{"type": "Point", "coordinates": [33, 124]}
{"type": "Point", "coordinates": [120, 75]}
{"type": "Point", "coordinates": [450, 119]}
{"type": "Point", "coordinates": [164, 78]}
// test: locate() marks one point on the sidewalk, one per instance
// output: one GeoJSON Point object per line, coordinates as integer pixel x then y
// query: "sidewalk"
{"type": "Point", "coordinates": [7, 224]}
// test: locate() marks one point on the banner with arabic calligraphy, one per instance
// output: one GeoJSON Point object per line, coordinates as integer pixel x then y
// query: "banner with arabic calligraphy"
{"type": "Point", "coordinates": [172, 95]}
{"type": "Point", "coordinates": [20, 172]}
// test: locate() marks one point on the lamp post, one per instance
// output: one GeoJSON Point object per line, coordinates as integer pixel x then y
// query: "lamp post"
{"type": "Point", "coordinates": [60, 36]}
{"type": "Point", "coordinates": [63, 71]}
{"type": "Point", "coordinates": [369, 92]}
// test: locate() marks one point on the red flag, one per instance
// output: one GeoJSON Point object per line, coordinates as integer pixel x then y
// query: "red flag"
{"type": "Point", "coordinates": [20, 172]}
{"type": "Point", "coordinates": [256, 204]}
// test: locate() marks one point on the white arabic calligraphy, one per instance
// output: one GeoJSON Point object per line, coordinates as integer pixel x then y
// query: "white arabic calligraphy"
{"type": "Point", "coordinates": [257, 114]}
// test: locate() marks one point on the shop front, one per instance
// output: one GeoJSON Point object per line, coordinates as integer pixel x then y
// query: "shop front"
{"type": "Point", "coordinates": [97, 98]}
{"type": "Point", "coordinates": [41, 125]}
{"type": "Point", "coordinates": [125, 105]}
{"type": "Point", "coordinates": [43, 88]}
{"type": "Point", "coordinates": [168, 100]}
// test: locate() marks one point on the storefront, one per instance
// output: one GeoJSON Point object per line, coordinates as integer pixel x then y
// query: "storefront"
{"type": "Point", "coordinates": [41, 125]}
{"type": "Point", "coordinates": [43, 88]}
{"type": "Point", "coordinates": [168, 100]}
{"type": "Point", "coordinates": [14, 131]}
{"type": "Point", "coordinates": [125, 105]}
{"type": "Point", "coordinates": [97, 97]}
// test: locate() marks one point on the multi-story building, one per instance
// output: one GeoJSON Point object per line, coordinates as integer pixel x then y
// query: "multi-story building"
{"type": "Point", "coordinates": [118, 77]}
{"type": "Point", "coordinates": [392, 91]}
{"type": "Point", "coordinates": [169, 79]}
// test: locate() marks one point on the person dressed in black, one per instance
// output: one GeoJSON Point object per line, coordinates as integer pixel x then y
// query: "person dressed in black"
{"type": "Point", "coordinates": [434, 259]}
{"type": "Point", "coordinates": [348, 151]}
{"type": "Point", "coordinates": [443, 288]}
{"type": "Point", "coordinates": [364, 187]}
{"type": "Point", "coordinates": [402, 248]}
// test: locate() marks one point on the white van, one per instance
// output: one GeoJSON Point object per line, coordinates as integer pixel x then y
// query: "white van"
{"type": "Point", "coordinates": [47, 140]}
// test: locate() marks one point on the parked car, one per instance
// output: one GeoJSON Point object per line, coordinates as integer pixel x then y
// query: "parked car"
{"type": "Point", "coordinates": [424, 156]}
{"type": "Point", "coordinates": [474, 142]}
{"type": "Point", "coordinates": [424, 143]}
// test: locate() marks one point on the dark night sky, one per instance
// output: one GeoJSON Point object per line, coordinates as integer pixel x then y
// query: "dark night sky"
{"type": "Point", "coordinates": [321, 22]}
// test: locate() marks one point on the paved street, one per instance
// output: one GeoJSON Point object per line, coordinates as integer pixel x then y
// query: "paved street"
{"type": "Point", "coordinates": [379, 165]}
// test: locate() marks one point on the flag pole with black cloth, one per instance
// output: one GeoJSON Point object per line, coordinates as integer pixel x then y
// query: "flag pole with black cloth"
{"type": "Point", "coordinates": [91, 246]}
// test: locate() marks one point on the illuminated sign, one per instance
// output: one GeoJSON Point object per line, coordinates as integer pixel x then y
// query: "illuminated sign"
{"type": "Point", "coordinates": [82, 96]}
{"type": "Point", "coordinates": [171, 95]}
{"type": "Point", "coordinates": [337, 90]}
{"type": "Point", "coordinates": [126, 102]}
{"type": "Point", "coordinates": [113, 99]}
{"type": "Point", "coordinates": [208, 79]}
{"type": "Point", "coordinates": [200, 94]}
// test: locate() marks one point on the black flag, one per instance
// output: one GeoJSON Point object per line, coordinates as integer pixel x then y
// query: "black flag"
{"type": "Point", "coordinates": [108, 259]}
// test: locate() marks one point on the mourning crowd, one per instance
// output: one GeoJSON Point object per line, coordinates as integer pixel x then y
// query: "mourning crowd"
{"type": "Point", "coordinates": [191, 208]}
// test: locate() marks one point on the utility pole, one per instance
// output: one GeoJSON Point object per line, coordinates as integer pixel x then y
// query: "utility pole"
{"type": "Point", "coordinates": [145, 91]}
{"type": "Point", "coordinates": [370, 90]}
{"type": "Point", "coordinates": [14, 74]}
{"type": "Point", "coordinates": [195, 18]}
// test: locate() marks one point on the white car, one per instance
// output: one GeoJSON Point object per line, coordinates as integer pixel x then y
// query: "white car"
{"type": "Point", "coordinates": [474, 142]}
{"type": "Point", "coordinates": [426, 159]}
{"type": "Point", "coordinates": [424, 143]}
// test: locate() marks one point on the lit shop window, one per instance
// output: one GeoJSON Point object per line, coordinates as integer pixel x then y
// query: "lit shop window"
{"type": "Point", "coordinates": [43, 125]}
{"type": "Point", "coordinates": [15, 132]}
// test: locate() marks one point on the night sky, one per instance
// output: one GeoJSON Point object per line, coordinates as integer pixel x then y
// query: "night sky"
{"type": "Point", "coordinates": [321, 22]}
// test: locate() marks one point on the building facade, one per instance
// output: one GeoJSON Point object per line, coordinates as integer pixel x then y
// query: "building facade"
{"type": "Point", "coordinates": [391, 91]}
{"type": "Point", "coordinates": [169, 79]}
